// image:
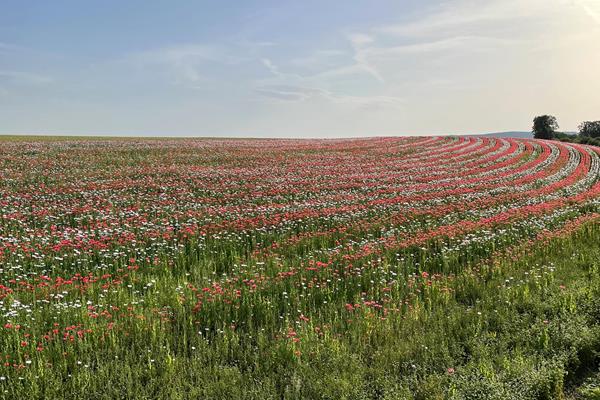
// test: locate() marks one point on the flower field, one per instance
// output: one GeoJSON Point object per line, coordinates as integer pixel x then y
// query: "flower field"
{"type": "Point", "coordinates": [412, 267]}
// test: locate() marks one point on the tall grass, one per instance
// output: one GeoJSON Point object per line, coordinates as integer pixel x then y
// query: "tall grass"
{"type": "Point", "coordinates": [500, 328]}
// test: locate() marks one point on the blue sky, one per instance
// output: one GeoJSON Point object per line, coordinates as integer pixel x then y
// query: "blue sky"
{"type": "Point", "coordinates": [296, 69]}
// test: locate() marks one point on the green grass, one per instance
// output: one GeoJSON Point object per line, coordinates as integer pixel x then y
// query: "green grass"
{"type": "Point", "coordinates": [275, 314]}
{"type": "Point", "coordinates": [501, 329]}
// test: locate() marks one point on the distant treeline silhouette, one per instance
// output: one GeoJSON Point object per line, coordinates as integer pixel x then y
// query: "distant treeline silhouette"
{"type": "Point", "coordinates": [545, 127]}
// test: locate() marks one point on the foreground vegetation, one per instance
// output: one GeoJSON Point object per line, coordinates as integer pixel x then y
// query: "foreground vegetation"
{"type": "Point", "coordinates": [176, 270]}
{"type": "Point", "coordinates": [524, 325]}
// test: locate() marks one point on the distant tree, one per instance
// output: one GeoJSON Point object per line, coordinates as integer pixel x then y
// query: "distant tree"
{"type": "Point", "coordinates": [566, 137]}
{"type": "Point", "coordinates": [544, 127]}
{"type": "Point", "coordinates": [590, 129]}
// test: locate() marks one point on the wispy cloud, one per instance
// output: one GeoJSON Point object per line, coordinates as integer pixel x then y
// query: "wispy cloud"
{"type": "Point", "coordinates": [471, 43]}
{"type": "Point", "coordinates": [6, 47]}
{"type": "Point", "coordinates": [456, 30]}
{"type": "Point", "coordinates": [24, 77]}
{"type": "Point", "coordinates": [185, 63]}
{"type": "Point", "coordinates": [298, 93]}
{"type": "Point", "coordinates": [371, 102]}
{"type": "Point", "coordinates": [319, 59]}
{"type": "Point", "coordinates": [461, 16]}
{"type": "Point", "coordinates": [591, 8]}
{"type": "Point", "coordinates": [356, 63]}
{"type": "Point", "coordinates": [10, 80]}
{"type": "Point", "coordinates": [459, 25]}
{"type": "Point", "coordinates": [271, 67]}
{"type": "Point", "coordinates": [290, 93]}
{"type": "Point", "coordinates": [359, 41]}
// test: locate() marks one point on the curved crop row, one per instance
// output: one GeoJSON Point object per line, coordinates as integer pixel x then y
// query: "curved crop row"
{"type": "Point", "coordinates": [256, 238]}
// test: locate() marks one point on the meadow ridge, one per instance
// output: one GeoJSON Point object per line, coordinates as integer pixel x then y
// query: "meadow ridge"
{"type": "Point", "coordinates": [457, 267]}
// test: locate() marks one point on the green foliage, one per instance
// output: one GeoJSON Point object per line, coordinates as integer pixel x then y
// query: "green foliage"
{"type": "Point", "coordinates": [525, 329]}
{"type": "Point", "coordinates": [588, 140]}
{"type": "Point", "coordinates": [544, 127]}
{"type": "Point", "coordinates": [565, 137]}
{"type": "Point", "coordinates": [590, 129]}
{"type": "Point", "coordinates": [590, 390]}
{"type": "Point", "coordinates": [587, 136]}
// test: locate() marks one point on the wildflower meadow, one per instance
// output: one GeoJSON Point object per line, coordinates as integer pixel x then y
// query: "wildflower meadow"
{"type": "Point", "coordinates": [456, 267]}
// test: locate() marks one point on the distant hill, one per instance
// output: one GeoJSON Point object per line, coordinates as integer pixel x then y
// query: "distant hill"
{"type": "Point", "coordinates": [512, 134]}
{"type": "Point", "coordinates": [516, 134]}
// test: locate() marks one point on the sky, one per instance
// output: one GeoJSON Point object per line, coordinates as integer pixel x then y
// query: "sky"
{"type": "Point", "coordinates": [296, 68]}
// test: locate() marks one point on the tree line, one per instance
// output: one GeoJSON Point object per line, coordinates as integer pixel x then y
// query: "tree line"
{"type": "Point", "coordinates": [546, 127]}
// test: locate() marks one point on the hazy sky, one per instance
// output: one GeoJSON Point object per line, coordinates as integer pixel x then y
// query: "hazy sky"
{"type": "Point", "coordinates": [303, 68]}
